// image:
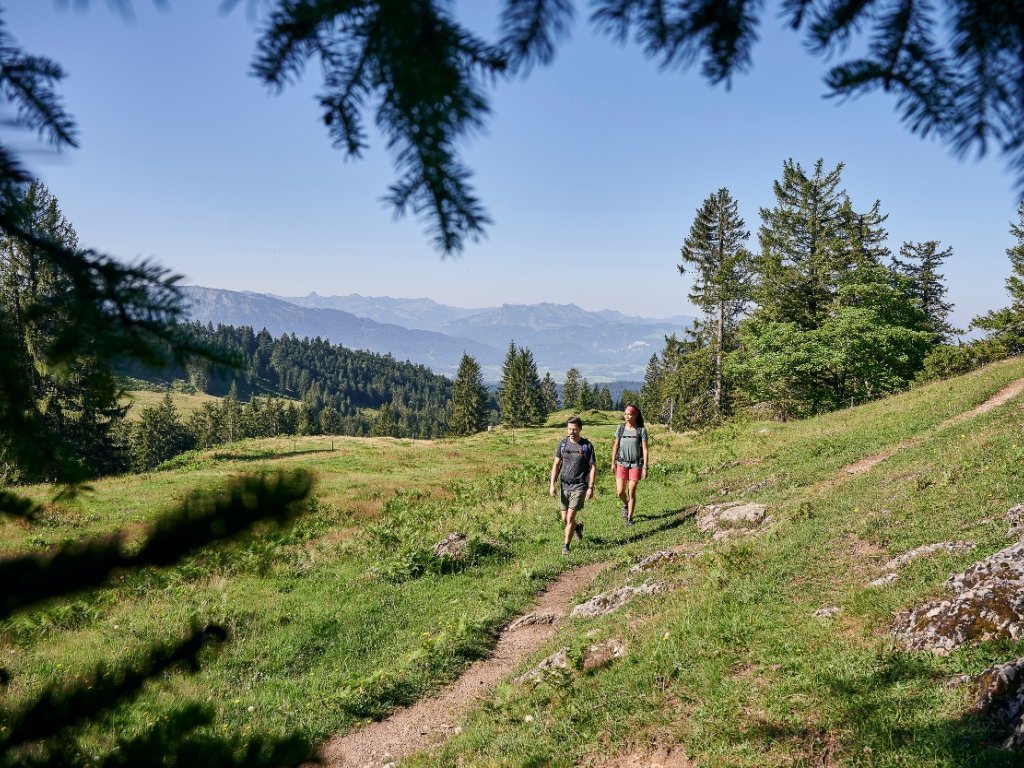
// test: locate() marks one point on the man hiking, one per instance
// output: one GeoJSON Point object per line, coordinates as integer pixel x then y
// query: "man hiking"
{"type": "Point", "coordinates": [574, 458]}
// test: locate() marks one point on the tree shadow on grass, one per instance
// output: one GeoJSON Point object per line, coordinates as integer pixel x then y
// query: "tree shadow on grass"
{"type": "Point", "coordinates": [877, 702]}
{"type": "Point", "coordinates": [267, 455]}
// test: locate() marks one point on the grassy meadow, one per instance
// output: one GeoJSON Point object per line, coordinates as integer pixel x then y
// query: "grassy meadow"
{"type": "Point", "coordinates": [346, 616]}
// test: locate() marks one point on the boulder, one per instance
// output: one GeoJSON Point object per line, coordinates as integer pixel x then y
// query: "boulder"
{"type": "Point", "coordinates": [555, 665]}
{"type": "Point", "coordinates": [451, 546]}
{"type": "Point", "coordinates": [603, 653]}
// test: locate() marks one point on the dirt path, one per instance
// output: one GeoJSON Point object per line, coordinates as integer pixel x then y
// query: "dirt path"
{"type": "Point", "coordinates": [429, 722]}
{"type": "Point", "coordinates": [1005, 394]}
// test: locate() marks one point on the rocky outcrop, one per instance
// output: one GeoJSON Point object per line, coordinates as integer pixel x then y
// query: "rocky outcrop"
{"type": "Point", "coordinates": [735, 518]}
{"type": "Point", "coordinates": [1015, 518]}
{"type": "Point", "coordinates": [609, 601]}
{"type": "Point", "coordinates": [987, 604]}
{"type": "Point", "coordinates": [1000, 691]}
{"type": "Point", "coordinates": [654, 560]}
{"type": "Point", "coordinates": [928, 549]}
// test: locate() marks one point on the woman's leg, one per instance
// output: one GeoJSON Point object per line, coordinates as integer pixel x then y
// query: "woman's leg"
{"type": "Point", "coordinates": [632, 498]}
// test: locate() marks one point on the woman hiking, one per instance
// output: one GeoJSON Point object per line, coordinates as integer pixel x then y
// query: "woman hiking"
{"type": "Point", "coordinates": [630, 458]}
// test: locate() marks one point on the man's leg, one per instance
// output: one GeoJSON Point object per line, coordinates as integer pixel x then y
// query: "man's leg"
{"type": "Point", "coordinates": [570, 526]}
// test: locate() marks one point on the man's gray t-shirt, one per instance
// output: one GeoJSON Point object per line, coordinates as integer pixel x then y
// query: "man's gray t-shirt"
{"type": "Point", "coordinates": [576, 460]}
{"type": "Point", "coordinates": [631, 449]}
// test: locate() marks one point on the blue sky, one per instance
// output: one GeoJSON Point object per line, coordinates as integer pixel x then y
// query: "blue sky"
{"type": "Point", "coordinates": [592, 168]}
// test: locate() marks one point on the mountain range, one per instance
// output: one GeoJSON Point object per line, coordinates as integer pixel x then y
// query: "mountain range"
{"type": "Point", "coordinates": [603, 346]}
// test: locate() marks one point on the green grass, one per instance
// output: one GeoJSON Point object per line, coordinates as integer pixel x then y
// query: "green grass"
{"type": "Point", "coordinates": [345, 617]}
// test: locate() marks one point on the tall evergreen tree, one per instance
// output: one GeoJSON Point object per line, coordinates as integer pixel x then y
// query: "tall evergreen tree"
{"type": "Point", "coordinates": [159, 435]}
{"type": "Point", "coordinates": [715, 250]}
{"type": "Point", "coordinates": [802, 246]}
{"type": "Point", "coordinates": [74, 403]}
{"type": "Point", "coordinates": [920, 263]}
{"type": "Point", "coordinates": [584, 398]}
{"type": "Point", "coordinates": [519, 389]}
{"type": "Point", "coordinates": [469, 399]}
{"type": "Point", "coordinates": [1006, 326]}
{"type": "Point", "coordinates": [571, 388]}
{"type": "Point", "coordinates": [549, 390]}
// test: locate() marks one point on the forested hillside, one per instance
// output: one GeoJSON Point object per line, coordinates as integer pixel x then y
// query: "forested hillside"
{"type": "Point", "coordinates": [330, 384]}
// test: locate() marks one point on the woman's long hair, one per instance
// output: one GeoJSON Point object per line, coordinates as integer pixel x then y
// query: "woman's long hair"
{"type": "Point", "coordinates": [639, 416]}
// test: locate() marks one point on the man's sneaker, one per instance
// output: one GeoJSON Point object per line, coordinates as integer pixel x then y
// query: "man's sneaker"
{"type": "Point", "coordinates": [565, 549]}
{"type": "Point", "coordinates": [625, 511]}
{"type": "Point", "coordinates": [579, 531]}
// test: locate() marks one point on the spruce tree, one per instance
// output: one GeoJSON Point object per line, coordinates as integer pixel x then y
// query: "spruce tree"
{"type": "Point", "coordinates": [920, 263]}
{"type": "Point", "coordinates": [549, 390]}
{"type": "Point", "coordinates": [715, 250]}
{"type": "Point", "coordinates": [802, 242]}
{"type": "Point", "coordinates": [1006, 326]}
{"type": "Point", "coordinates": [571, 388]}
{"type": "Point", "coordinates": [519, 389]}
{"type": "Point", "coordinates": [469, 400]}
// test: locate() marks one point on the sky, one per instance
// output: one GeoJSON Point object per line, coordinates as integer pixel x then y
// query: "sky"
{"type": "Point", "coordinates": [592, 168]}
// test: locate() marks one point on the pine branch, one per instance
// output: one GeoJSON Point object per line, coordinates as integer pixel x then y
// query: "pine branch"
{"type": "Point", "coordinates": [532, 29]}
{"type": "Point", "coordinates": [202, 519]}
{"type": "Point", "coordinates": [58, 708]}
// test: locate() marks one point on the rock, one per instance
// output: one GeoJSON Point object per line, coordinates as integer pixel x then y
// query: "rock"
{"type": "Point", "coordinates": [654, 560]}
{"type": "Point", "coordinates": [1006, 564]}
{"type": "Point", "coordinates": [1000, 691]}
{"type": "Point", "coordinates": [827, 612]}
{"type": "Point", "coordinates": [451, 546]}
{"type": "Point", "coordinates": [603, 653]}
{"type": "Point", "coordinates": [883, 581]}
{"type": "Point", "coordinates": [927, 549]}
{"type": "Point", "coordinates": [556, 664]}
{"type": "Point", "coordinates": [1015, 517]}
{"type": "Point", "coordinates": [987, 604]}
{"type": "Point", "coordinates": [737, 517]}
{"type": "Point", "coordinates": [607, 602]}
{"type": "Point", "coordinates": [532, 618]}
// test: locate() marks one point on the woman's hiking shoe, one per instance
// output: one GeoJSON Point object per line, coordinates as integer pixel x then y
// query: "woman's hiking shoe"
{"type": "Point", "coordinates": [625, 511]}
{"type": "Point", "coordinates": [579, 531]}
{"type": "Point", "coordinates": [565, 549]}
{"type": "Point", "coordinates": [629, 521]}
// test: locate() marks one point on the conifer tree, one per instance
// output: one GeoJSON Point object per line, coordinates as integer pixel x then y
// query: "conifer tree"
{"type": "Point", "coordinates": [549, 390]}
{"type": "Point", "coordinates": [519, 389]}
{"type": "Point", "coordinates": [469, 399]}
{"type": "Point", "coordinates": [1006, 326]}
{"type": "Point", "coordinates": [571, 388]}
{"type": "Point", "coordinates": [716, 252]}
{"type": "Point", "coordinates": [920, 263]}
{"type": "Point", "coordinates": [584, 398]}
{"type": "Point", "coordinates": [802, 246]}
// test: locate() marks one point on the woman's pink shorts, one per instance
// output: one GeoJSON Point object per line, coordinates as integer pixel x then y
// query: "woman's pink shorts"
{"type": "Point", "coordinates": [627, 473]}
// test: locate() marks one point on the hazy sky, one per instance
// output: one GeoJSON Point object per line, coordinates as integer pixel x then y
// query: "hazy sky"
{"type": "Point", "coordinates": [592, 168]}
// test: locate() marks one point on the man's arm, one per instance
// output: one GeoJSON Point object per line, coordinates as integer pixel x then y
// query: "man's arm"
{"type": "Point", "coordinates": [593, 476]}
{"type": "Point", "coordinates": [554, 474]}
